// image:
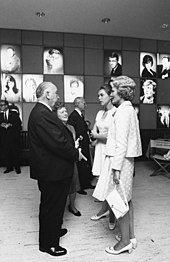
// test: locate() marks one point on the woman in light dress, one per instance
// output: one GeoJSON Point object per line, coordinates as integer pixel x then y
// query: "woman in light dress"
{"type": "Point", "coordinates": [99, 134]}
{"type": "Point", "coordinates": [123, 144]}
{"type": "Point", "coordinates": [101, 126]}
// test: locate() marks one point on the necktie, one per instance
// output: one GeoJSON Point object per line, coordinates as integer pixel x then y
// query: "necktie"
{"type": "Point", "coordinates": [5, 117]}
{"type": "Point", "coordinates": [82, 116]}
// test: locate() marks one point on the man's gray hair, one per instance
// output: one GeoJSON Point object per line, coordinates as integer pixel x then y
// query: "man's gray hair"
{"type": "Point", "coordinates": [42, 87]}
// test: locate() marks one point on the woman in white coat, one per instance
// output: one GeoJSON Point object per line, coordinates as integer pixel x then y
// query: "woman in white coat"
{"type": "Point", "coordinates": [123, 144]}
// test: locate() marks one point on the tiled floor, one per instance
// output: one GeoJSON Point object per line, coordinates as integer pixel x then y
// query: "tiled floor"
{"type": "Point", "coordinates": [86, 239]}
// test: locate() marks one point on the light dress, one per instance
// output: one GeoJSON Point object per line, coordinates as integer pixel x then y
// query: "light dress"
{"type": "Point", "coordinates": [123, 144]}
{"type": "Point", "coordinates": [103, 121]}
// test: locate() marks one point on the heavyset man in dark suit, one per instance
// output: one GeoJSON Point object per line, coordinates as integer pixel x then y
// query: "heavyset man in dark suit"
{"type": "Point", "coordinates": [52, 157]}
{"type": "Point", "coordinates": [76, 119]}
{"type": "Point", "coordinates": [10, 127]}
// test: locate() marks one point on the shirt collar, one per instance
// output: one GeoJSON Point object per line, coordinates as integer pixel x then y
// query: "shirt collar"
{"type": "Point", "coordinates": [78, 111]}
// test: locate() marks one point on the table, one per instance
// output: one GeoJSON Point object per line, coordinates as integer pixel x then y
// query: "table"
{"type": "Point", "coordinates": [160, 146]}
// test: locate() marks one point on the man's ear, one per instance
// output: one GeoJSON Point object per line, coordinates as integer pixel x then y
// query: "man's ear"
{"type": "Point", "coordinates": [48, 95]}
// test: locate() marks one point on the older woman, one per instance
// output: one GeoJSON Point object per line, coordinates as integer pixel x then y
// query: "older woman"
{"type": "Point", "coordinates": [123, 144]}
{"type": "Point", "coordinates": [62, 114]}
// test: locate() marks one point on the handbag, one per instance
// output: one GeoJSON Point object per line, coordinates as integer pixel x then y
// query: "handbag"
{"type": "Point", "coordinates": [119, 206]}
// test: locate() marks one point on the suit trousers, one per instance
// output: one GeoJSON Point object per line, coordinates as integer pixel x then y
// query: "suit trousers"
{"type": "Point", "coordinates": [12, 157]}
{"type": "Point", "coordinates": [51, 210]}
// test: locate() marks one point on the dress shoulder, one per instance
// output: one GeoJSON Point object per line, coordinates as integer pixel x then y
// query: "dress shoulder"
{"type": "Point", "coordinates": [99, 115]}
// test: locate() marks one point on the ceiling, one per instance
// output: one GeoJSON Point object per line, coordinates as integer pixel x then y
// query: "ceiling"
{"type": "Point", "coordinates": [129, 18]}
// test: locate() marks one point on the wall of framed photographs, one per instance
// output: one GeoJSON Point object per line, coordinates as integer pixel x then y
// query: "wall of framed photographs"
{"type": "Point", "coordinates": [79, 64]}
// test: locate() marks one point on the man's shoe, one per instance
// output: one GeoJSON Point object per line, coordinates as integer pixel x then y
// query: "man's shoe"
{"type": "Point", "coordinates": [54, 251]}
{"type": "Point", "coordinates": [8, 170]}
{"type": "Point", "coordinates": [18, 170]}
{"type": "Point", "coordinates": [82, 192]}
{"type": "Point", "coordinates": [63, 231]}
{"type": "Point", "coordinates": [90, 187]}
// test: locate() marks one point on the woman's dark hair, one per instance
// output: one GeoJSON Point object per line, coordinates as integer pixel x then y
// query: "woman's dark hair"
{"type": "Point", "coordinates": [57, 106]}
{"type": "Point", "coordinates": [107, 88]}
{"type": "Point", "coordinates": [113, 54]}
{"type": "Point", "coordinates": [10, 78]}
{"type": "Point", "coordinates": [147, 59]}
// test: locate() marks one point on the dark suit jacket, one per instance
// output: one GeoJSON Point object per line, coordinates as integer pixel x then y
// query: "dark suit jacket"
{"type": "Point", "coordinates": [10, 137]}
{"type": "Point", "coordinates": [52, 150]}
{"type": "Point", "coordinates": [146, 73]}
{"type": "Point", "coordinates": [81, 129]}
{"type": "Point", "coordinates": [161, 72]}
{"type": "Point", "coordinates": [117, 71]}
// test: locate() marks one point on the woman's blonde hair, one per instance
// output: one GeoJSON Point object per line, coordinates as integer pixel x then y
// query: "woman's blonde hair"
{"type": "Point", "coordinates": [125, 87]}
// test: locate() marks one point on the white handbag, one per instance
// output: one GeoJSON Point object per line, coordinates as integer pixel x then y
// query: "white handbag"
{"type": "Point", "coordinates": [119, 206]}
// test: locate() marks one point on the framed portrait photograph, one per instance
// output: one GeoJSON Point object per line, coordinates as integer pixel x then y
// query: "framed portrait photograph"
{"type": "Point", "coordinates": [30, 83]}
{"type": "Point", "coordinates": [107, 80]}
{"type": "Point", "coordinates": [10, 59]}
{"type": "Point", "coordinates": [163, 116]}
{"type": "Point", "coordinates": [11, 87]}
{"type": "Point", "coordinates": [163, 66]}
{"type": "Point", "coordinates": [112, 63]}
{"type": "Point", "coordinates": [148, 65]}
{"type": "Point", "coordinates": [53, 61]}
{"type": "Point", "coordinates": [73, 87]}
{"type": "Point", "coordinates": [148, 90]}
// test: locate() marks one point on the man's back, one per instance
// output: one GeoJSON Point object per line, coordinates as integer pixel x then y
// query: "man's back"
{"type": "Point", "coordinates": [52, 152]}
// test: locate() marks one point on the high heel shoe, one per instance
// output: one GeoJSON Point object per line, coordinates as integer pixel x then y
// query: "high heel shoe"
{"type": "Point", "coordinates": [112, 251]}
{"type": "Point", "coordinates": [112, 226]}
{"type": "Point", "coordinates": [96, 217]}
{"type": "Point", "coordinates": [77, 213]}
{"type": "Point", "coordinates": [132, 240]}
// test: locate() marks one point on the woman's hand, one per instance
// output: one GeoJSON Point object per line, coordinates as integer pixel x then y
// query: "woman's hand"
{"type": "Point", "coordinates": [77, 143]}
{"type": "Point", "coordinates": [81, 156]}
{"type": "Point", "coordinates": [93, 134]}
{"type": "Point", "coordinates": [116, 176]}
{"type": "Point", "coordinates": [102, 138]}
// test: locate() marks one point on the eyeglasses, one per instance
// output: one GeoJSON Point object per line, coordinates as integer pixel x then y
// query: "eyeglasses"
{"type": "Point", "coordinates": [3, 105]}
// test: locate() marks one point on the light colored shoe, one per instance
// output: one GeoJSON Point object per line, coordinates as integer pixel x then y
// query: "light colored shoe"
{"type": "Point", "coordinates": [96, 217]}
{"type": "Point", "coordinates": [132, 240]}
{"type": "Point", "coordinates": [112, 226]}
{"type": "Point", "coordinates": [112, 251]}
